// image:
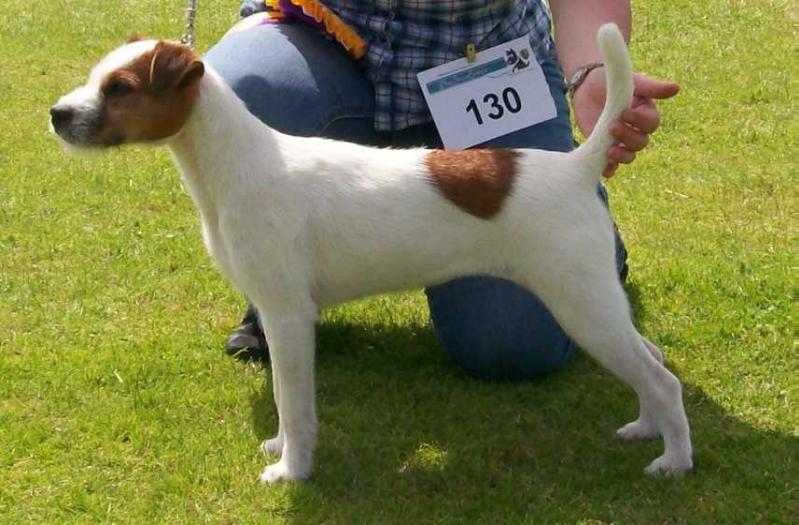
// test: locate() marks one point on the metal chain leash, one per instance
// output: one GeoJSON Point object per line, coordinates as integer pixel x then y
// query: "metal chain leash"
{"type": "Point", "coordinates": [191, 13]}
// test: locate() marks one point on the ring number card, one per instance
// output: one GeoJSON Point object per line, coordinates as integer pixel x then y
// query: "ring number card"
{"type": "Point", "coordinates": [502, 91]}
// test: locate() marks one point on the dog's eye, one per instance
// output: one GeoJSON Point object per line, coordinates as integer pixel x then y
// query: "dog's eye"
{"type": "Point", "coordinates": [117, 88]}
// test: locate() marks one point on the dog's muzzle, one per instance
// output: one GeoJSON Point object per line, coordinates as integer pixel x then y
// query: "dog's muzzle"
{"type": "Point", "coordinates": [76, 125]}
{"type": "Point", "coordinates": [60, 118]}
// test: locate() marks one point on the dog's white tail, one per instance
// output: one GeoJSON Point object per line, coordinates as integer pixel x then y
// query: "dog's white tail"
{"type": "Point", "coordinates": [619, 74]}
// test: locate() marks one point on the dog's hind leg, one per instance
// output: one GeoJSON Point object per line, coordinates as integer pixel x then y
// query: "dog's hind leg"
{"type": "Point", "coordinates": [291, 347]}
{"type": "Point", "coordinates": [645, 426]}
{"type": "Point", "coordinates": [590, 305]}
{"type": "Point", "coordinates": [654, 350]}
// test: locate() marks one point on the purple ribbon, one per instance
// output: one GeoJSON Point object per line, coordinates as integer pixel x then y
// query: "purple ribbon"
{"type": "Point", "coordinates": [293, 13]}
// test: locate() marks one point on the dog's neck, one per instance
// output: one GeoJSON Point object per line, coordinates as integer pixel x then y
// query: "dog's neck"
{"type": "Point", "coordinates": [219, 126]}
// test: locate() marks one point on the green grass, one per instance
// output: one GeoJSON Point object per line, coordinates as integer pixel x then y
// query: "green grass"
{"type": "Point", "coordinates": [117, 404]}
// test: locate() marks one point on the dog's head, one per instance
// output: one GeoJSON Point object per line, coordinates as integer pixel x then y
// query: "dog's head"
{"type": "Point", "coordinates": [143, 91]}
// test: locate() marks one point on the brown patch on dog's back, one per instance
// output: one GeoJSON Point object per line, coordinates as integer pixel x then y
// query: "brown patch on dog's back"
{"type": "Point", "coordinates": [477, 180]}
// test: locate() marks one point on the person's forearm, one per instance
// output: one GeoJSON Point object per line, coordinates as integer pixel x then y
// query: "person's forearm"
{"type": "Point", "coordinates": [575, 26]}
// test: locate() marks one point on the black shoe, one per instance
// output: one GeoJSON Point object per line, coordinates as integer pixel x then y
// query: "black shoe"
{"type": "Point", "coordinates": [247, 342]}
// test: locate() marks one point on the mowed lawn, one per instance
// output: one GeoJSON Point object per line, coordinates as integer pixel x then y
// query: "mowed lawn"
{"type": "Point", "coordinates": [117, 404]}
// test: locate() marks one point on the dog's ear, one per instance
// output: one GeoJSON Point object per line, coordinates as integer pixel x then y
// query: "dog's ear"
{"type": "Point", "coordinates": [174, 66]}
{"type": "Point", "coordinates": [136, 37]}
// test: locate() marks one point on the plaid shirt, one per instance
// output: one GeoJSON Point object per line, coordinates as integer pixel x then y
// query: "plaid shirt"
{"type": "Point", "coordinates": [408, 36]}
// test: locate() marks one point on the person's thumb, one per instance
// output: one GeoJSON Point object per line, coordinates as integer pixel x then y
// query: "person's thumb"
{"type": "Point", "coordinates": [653, 88]}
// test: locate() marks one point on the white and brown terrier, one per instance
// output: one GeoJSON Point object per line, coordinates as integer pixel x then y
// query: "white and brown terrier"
{"type": "Point", "coordinates": [298, 224]}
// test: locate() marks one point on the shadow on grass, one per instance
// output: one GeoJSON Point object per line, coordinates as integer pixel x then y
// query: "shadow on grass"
{"type": "Point", "coordinates": [405, 438]}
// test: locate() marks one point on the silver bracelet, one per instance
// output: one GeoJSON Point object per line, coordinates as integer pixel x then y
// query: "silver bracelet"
{"type": "Point", "coordinates": [578, 77]}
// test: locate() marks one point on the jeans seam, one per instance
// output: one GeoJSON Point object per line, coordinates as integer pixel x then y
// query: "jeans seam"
{"type": "Point", "coordinates": [325, 123]}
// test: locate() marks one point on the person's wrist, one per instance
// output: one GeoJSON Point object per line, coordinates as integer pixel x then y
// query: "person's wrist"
{"type": "Point", "coordinates": [580, 75]}
{"type": "Point", "coordinates": [588, 100]}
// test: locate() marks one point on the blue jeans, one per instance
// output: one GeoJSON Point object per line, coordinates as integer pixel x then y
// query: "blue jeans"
{"type": "Point", "coordinates": [301, 83]}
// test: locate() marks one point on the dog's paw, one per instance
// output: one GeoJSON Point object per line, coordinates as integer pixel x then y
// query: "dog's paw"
{"type": "Point", "coordinates": [669, 466]}
{"type": "Point", "coordinates": [281, 472]}
{"type": "Point", "coordinates": [273, 446]}
{"type": "Point", "coordinates": [638, 429]}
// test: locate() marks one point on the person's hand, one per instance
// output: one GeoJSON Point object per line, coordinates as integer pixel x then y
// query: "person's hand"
{"type": "Point", "coordinates": [633, 128]}
{"type": "Point", "coordinates": [250, 7]}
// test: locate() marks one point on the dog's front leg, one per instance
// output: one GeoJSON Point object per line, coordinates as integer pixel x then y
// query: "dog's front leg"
{"type": "Point", "coordinates": [275, 445]}
{"type": "Point", "coordinates": [291, 347]}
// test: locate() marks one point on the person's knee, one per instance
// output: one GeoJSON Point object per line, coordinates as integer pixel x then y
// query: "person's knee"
{"type": "Point", "coordinates": [493, 329]}
{"type": "Point", "coordinates": [273, 85]}
{"type": "Point", "coordinates": [292, 79]}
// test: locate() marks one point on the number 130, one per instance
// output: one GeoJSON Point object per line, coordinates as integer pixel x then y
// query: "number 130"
{"type": "Point", "coordinates": [510, 98]}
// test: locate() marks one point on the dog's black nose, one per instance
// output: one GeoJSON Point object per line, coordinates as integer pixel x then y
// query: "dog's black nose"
{"type": "Point", "coordinates": [61, 116]}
